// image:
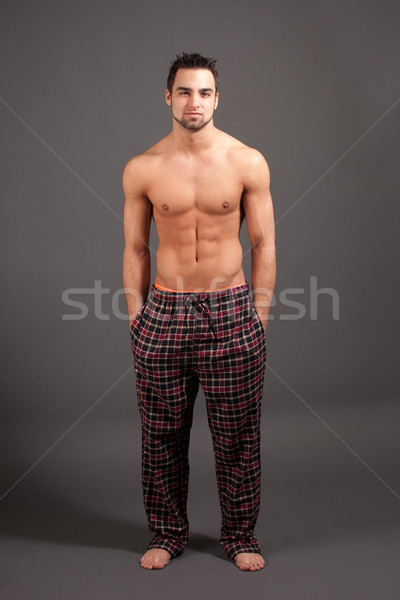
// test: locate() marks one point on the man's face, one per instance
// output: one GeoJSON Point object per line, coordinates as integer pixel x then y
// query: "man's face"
{"type": "Point", "coordinates": [193, 99]}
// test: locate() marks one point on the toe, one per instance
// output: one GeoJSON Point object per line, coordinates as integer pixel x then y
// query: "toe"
{"type": "Point", "coordinates": [249, 561]}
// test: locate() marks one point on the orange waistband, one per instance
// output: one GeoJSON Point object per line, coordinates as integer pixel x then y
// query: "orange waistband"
{"type": "Point", "coordinates": [160, 287]}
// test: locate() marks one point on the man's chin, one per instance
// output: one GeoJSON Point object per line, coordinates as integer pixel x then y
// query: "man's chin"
{"type": "Point", "coordinates": [195, 127]}
{"type": "Point", "coordinates": [191, 126]}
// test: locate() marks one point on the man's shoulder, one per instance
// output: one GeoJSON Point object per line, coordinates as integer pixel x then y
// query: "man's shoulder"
{"type": "Point", "coordinates": [140, 164]}
{"type": "Point", "coordinates": [240, 152]}
{"type": "Point", "coordinates": [248, 163]}
{"type": "Point", "coordinates": [148, 155]}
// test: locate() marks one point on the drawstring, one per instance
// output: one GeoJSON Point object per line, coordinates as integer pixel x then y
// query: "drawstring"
{"type": "Point", "coordinates": [206, 311]}
{"type": "Point", "coordinates": [202, 305]}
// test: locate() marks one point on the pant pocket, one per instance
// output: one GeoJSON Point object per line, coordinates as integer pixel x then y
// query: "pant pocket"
{"type": "Point", "coordinates": [136, 319]}
{"type": "Point", "coordinates": [256, 317]}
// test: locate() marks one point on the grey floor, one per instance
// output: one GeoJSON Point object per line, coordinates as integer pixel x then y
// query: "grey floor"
{"type": "Point", "coordinates": [74, 527]}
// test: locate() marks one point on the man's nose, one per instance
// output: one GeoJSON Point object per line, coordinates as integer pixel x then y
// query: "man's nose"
{"type": "Point", "coordinates": [195, 101]}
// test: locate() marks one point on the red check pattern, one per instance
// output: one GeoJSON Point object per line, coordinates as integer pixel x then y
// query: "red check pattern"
{"type": "Point", "coordinates": [181, 340]}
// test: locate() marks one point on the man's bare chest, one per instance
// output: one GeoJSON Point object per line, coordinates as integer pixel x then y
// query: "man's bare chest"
{"type": "Point", "coordinates": [209, 189]}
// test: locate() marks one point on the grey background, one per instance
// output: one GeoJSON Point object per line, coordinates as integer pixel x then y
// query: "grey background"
{"type": "Point", "coordinates": [313, 86]}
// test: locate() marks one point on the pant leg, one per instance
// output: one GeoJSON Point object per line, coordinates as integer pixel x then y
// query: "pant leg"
{"type": "Point", "coordinates": [166, 391]}
{"type": "Point", "coordinates": [231, 371]}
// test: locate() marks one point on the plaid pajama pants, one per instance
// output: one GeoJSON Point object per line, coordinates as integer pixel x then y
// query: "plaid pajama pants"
{"type": "Point", "coordinates": [180, 340]}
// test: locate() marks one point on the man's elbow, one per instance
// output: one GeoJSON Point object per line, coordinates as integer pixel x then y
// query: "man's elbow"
{"type": "Point", "coordinates": [264, 244]}
{"type": "Point", "coordinates": [137, 250]}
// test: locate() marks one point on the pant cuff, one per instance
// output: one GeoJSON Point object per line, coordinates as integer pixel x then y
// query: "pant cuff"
{"type": "Point", "coordinates": [248, 544]}
{"type": "Point", "coordinates": [173, 546]}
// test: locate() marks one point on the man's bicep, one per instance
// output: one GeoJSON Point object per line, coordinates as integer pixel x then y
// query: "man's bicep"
{"type": "Point", "coordinates": [137, 209]}
{"type": "Point", "coordinates": [257, 203]}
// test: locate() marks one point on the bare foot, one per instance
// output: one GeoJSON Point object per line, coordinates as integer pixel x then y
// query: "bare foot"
{"type": "Point", "coordinates": [155, 558]}
{"type": "Point", "coordinates": [249, 561]}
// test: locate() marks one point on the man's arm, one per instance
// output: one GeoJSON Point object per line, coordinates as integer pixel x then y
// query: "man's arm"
{"type": "Point", "coordinates": [257, 204]}
{"type": "Point", "coordinates": [137, 220]}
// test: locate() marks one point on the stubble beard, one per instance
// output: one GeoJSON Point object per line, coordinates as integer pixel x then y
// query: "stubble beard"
{"type": "Point", "coordinates": [193, 125]}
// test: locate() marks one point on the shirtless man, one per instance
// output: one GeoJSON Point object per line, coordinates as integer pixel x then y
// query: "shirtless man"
{"type": "Point", "coordinates": [198, 324]}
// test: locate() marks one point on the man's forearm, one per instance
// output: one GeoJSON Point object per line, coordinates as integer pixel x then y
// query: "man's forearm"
{"type": "Point", "coordinates": [263, 277]}
{"type": "Point", "coordinates": [136, 278]}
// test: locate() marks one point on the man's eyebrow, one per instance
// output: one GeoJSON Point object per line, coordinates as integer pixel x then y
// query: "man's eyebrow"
{"type": "Point", "coordinates": [188, 89]}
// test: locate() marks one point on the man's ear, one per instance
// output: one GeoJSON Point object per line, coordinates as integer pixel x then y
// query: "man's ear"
{"type": "Point", "coordinates": [216, 100]}
{"type": "Point", "coordinates": [168, 97]}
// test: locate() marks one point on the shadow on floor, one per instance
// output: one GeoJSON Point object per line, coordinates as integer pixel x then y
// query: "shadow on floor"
{"type": "Point", "coordinates": [61, 522]}
{"type": "Point", "coordinates": [47, 516]}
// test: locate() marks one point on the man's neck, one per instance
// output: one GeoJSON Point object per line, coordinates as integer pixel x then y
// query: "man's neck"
{"type": "Point", "coordinates": [193, 141]}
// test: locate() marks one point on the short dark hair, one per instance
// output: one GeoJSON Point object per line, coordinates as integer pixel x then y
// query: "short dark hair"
{"type": "Point", "coordinates": [191, 61]}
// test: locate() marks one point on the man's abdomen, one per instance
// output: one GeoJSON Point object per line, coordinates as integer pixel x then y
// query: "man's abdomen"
{"type": "Point", "coordinates": [200, 266]}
